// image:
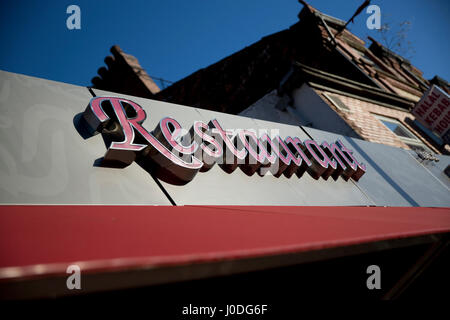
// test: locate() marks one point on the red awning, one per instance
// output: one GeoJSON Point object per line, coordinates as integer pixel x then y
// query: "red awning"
{"type": "Point", "coordinates": [41, 241]}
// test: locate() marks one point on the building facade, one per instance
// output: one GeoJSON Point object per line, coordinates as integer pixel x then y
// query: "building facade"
{"type": "Point", "coordinates": [364, 91]}
{"type": "Point", "coordinates": [103, 180]}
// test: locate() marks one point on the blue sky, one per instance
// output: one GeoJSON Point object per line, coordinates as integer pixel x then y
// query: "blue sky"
{"type": "Point", "coordinates": [172, 39]}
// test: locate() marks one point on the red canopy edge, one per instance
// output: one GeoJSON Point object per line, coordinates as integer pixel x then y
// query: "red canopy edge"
{"type": "Point", "coordinates": [41, 240]}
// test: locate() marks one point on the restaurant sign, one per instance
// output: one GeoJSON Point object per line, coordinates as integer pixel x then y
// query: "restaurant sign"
{"type": "Point", "coordinates": [175, 155]}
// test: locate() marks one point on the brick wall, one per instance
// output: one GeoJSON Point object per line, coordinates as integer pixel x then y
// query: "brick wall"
{"type": "Point", "coordinates": [361, 119]}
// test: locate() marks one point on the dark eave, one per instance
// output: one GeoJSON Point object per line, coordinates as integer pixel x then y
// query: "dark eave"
{"type": "Point", "coordinates": [318, 78]}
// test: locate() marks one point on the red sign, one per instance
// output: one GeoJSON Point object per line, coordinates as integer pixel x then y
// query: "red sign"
{"type": "Point", "coordinates": [176, 158]}
{"type": "Point", "coordinates": [433, 110]}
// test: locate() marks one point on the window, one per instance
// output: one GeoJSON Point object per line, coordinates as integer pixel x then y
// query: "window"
{"type": "Point", "coordinates": [336, 102]}
{"type": "Point", "coordinates": [404, 134]}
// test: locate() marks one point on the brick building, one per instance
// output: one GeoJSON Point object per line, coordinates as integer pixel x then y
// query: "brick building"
{"type": "Point", "coordinates": [71, 199]}
{"type": "Point", "coordinates": [315, 73]}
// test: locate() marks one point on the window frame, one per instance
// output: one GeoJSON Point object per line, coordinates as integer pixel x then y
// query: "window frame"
{"type": "Point", "coordinates": [407, 140]}
{"type": "Point", "coordinates": [330, 97]}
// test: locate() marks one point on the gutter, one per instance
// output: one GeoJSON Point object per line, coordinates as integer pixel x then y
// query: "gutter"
{"type": "Point", "coordinates": [363, 91]}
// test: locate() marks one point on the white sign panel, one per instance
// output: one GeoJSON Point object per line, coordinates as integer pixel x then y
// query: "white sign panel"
{"type": "Point", "coordinates": [433, 110]}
